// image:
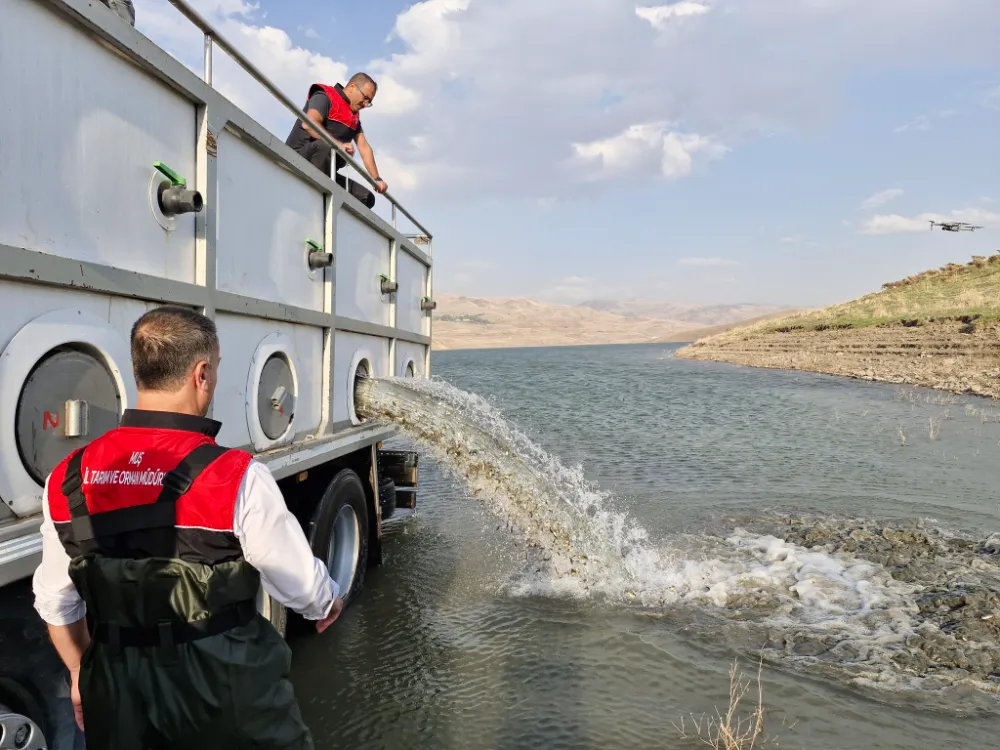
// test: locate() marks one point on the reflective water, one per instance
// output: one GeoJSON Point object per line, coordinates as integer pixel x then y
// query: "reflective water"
{"type": "Point", "coordinates": [774, 504]}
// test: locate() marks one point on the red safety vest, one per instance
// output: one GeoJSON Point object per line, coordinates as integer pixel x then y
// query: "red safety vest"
{"type": "Point", "coordinates": [340, 110]}
{"type": "Point", "coordinates": [157, 486]}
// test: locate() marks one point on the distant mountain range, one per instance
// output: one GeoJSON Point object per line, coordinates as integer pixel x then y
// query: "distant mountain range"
{"type": "Point", "coordinates": [700, 315]}
{"type": "Point", "coordinates": [482, 323]}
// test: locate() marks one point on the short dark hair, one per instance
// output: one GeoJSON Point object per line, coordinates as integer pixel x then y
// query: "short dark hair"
{"type": "Point", "coordinates": [360, 79]}
{"type": "Point", "coordinates": [166, 343]}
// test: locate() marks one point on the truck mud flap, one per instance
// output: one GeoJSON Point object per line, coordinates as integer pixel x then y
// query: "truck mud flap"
{"type": "Point", "coordinates": [402, 468]}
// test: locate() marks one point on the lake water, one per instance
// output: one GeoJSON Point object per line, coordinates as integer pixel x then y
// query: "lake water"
{"type": "Point", "coordinates": [774, 506]}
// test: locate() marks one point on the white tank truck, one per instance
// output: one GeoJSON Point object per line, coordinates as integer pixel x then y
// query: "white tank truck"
{"type": "Point", "coordinates": [128, 181]}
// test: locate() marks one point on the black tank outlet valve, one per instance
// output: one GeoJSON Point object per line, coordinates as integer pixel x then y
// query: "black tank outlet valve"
{"type": "Point", "coordinates": [387, 286]}
{"type": "Point", "coordinates": [173, 196]}
{"type": "Point", "coordinates": [316, 257]}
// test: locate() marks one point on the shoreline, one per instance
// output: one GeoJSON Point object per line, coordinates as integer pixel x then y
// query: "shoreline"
{"type": "Point", "coordinates": [949, 356]}
{"type": "Point", "coordinates": [570, 345]}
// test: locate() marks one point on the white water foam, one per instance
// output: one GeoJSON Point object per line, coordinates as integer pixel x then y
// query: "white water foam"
{"type": "Point", "coordinates": [810, 605]}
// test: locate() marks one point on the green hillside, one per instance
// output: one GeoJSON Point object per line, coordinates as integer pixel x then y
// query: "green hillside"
{"type": "Point", "coordinates": [953, 292]}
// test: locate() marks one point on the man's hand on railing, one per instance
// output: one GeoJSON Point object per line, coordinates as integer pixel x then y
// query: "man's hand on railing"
{"type": "Point", "coordinates": [348, 148]}
{"type": "Point", "coordinates": [381, 185]}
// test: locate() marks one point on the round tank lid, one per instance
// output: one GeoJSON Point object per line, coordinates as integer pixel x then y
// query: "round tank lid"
{"type": "Point", "coordinates": [67, 400]}
{"type": "Point", "coordinates": [275, 397]}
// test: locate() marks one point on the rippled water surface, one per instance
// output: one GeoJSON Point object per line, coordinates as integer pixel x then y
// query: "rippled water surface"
{"type": "Point", "coordinates": [842, 531]}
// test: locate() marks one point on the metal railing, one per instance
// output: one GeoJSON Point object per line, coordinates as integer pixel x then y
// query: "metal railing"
{"type": "Point", "coordinates": [212, 37]}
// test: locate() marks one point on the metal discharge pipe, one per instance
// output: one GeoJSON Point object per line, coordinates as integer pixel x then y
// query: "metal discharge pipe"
{"type": "Point", "coordinates": [178, 200]}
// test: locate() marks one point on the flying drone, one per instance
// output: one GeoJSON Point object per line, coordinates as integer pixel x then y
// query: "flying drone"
{"type": "Point", "coordinates": [954, 226]}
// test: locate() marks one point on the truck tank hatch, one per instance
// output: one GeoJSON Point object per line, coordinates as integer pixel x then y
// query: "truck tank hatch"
{"type": "Point", "coordinates": [276, 397]}
{"type": "Point", "coordinates": [67, 400]}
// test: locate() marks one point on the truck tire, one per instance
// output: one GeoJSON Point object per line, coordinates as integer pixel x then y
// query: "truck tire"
{"type": "Point", "coordinates": [22, 718]}
{"type": "Point", "coordinates": [273, 611]}
{"type": "Point", "coordinates": [338, 532]}
{"type": "Point", "coordinates": [387, 497]}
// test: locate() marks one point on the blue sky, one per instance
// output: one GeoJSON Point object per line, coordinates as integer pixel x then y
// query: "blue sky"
{"type": "Point", "coordinates": [709, 151]}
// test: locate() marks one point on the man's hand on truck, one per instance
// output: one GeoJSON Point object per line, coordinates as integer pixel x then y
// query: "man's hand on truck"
{"type": "Point", "coordinates": [335, 610]}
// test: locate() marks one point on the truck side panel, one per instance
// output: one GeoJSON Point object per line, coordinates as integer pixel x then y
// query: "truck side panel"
{"type": "Point", "coordinates": [266, 214]}
{"type": "Point", "coordinates": [409, 354]}
{"type": "Point", "coordinates": [80, 190]}
{"type": "Point", "coordinates": [358, 284]}
{"type": "Point", "coordinates": [246, 339]}
{"type": "Point", "coordinates": [412, 277]}
{"type": "Point", "coordinates": [100, 321]}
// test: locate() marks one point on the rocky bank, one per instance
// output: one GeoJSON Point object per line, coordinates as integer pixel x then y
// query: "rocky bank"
{"type": "Point", "coordinates": [960, 356]}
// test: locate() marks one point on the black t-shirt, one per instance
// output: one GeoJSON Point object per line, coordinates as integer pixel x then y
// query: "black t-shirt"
{"type": "Point", "coordinates": [321, 103]}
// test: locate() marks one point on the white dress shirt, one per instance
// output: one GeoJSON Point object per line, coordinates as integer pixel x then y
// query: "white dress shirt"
{"type": "Point", "coordinates": [270, 536]}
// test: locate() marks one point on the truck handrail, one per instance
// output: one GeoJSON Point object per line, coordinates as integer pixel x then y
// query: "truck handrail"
{"type": "Point", "coordinates": [212, 37]}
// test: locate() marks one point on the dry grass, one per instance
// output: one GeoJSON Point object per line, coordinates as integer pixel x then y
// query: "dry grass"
{"type": "Point", "coordinates": [968, 293]}
{"type": "Point", "coordinates": [736, 729]}
{"type": "Point", "coordinates": [914, 397]}
{"type": "Point", "coordinates": [933, 428]}
{"type": "Point", "coordinates": [985, 415]}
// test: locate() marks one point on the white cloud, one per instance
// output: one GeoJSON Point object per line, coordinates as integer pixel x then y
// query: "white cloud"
{"type": "Point", "coordinates": [991, 99]}
{"type": "Point", "coordinates": [708, 262]}
{"type": "Point", "coordinates": [393, 99]}
{"type": "Point", "coordinates": [463, 272]}
{"type": "Point", "coordinates": [640, 147]}
{"type": "Point", "coordinates": [881, 198]}
{"type": "Point", "coordinates": [793, 240]}
{"type": "Point", "coordinates": [895, 224]}
{"type": "Point", "coordinates": [919, 124]}
{"type": "Point", "coordinates": [660, 16]}
{"type": "Point", "coordinates": [571, 290]}
{"type": "Point", "coordinates": [293, 68]}
{"type": "Point", "coordinates": [429, 30]}
{"type": "Point", "coordinates": [756, 69]}
{"type": "Point", "coordinates": [924, 123]}
{"type": "Point", "coordinates": [405, 177]}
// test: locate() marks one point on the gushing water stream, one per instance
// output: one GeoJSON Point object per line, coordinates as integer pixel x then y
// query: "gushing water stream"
{"type": "Point", "coordinates": [903, 608]}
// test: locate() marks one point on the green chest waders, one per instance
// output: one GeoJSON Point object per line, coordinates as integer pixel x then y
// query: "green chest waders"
{"type": "Point", "coordinates": [179, 657]}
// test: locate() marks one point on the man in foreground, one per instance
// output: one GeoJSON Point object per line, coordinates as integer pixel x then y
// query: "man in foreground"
{"type": "Point", "coordinates": [161, 539]}
{"type": "Point", "coordinates": [337, 109]}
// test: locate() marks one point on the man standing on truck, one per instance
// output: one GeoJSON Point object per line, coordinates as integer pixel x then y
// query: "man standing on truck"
{"type": "Point", "coordinates": [161, 538]}
{"type": "Point", "coordinates": [337, 108]}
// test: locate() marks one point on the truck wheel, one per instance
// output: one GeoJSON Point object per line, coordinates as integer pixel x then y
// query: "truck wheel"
{"type": "Point", "coordinates": [271, 610]}
{"type": "Point", "coordinates": [22, 720]}
{"type": "Point", "coordinates": [387, 497]}
{"type": "Point", "coordinates": [338, 532]}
